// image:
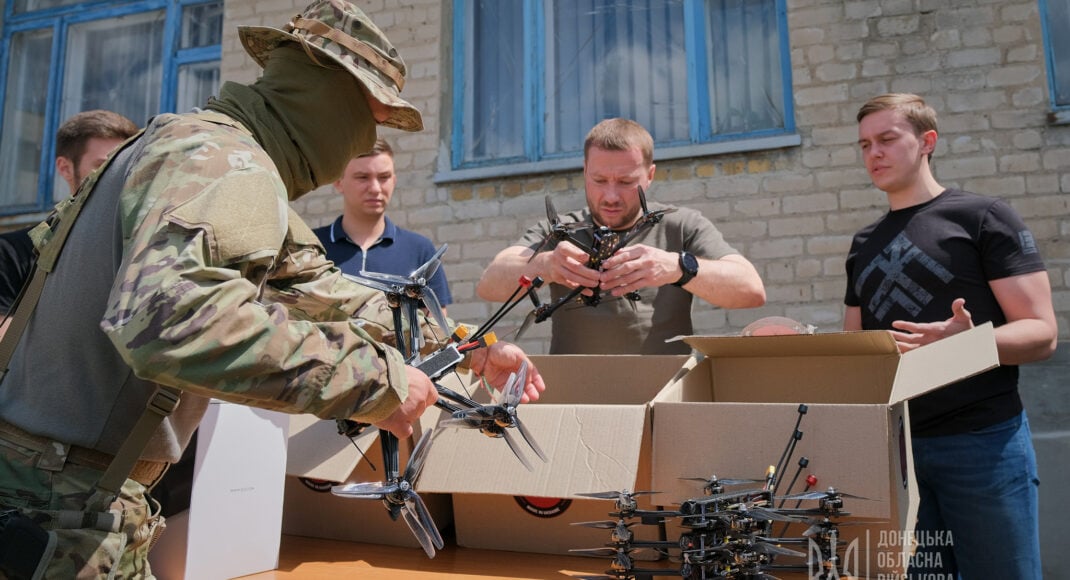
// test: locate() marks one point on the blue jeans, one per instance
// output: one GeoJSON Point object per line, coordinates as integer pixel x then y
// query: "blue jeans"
{"type": "Point", "coordinates": [978, 515]}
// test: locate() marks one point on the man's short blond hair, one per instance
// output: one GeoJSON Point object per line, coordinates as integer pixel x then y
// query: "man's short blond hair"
{"type": "Point", "coordinates": [620, 135]}
{"type": "Point", "coordinates": [381, 147]}
{"type": "Point", "coordinates": [921, 117]}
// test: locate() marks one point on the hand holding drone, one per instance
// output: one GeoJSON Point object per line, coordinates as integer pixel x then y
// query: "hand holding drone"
{"type": "Point", "coordinates": [579, 263]}
{"type": "Point", "coordinates": [405, 296]}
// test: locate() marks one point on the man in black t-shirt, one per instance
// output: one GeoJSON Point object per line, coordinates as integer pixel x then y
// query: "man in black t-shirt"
{"type": "Point", "coordinates": [938, 262]}
{"type": "Point", "coordinates": [83, 143]}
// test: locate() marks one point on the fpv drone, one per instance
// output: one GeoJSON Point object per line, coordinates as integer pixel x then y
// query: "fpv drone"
{"type": "Point", "coordinates": [606, 242]}
{"type": "Point", "coordinates": [406, 295]}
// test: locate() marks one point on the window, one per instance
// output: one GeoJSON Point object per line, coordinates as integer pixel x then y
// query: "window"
{"type": "Point", "coordinates": [1055, 15]}
{"type": "Point", "coordinates": [531, 77]}
{"type": "Point", "coordinates": [61, 57]}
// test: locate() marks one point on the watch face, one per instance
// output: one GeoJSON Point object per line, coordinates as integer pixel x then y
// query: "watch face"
{"type": "Point", "coordinates": [688, 263]}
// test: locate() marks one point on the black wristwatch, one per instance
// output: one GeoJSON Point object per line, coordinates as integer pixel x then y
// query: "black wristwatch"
{"type": "Point", "coordinates": [689, 264]}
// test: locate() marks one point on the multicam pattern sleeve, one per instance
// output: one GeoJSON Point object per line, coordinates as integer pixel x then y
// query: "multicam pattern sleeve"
{"type": "Point", "coordinates": [208, 259]}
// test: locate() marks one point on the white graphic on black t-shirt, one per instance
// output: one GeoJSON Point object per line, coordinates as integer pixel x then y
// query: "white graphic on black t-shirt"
{"type": "Point", "coordinates": [897, 287]}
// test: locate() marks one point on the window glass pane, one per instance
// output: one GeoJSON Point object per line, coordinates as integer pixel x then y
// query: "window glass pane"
{"type": "Point", "coordinates": [1059, 37]}
{"type": "Point", "coordinates": [196, 82]}
{"type": "Point", "coordinates": [114, 64]}
{"type": "Point", "coordinates": [493, 97]}
{"type": "Point", "coordinates": [30, 5]}
{"type": "Point", "coordinates": [612, 59]}
{"type": "Point", "coordinates": [24, 116]}
{"type": "Point", "coordinates": [202, 25]}
{"type": "Point", "coordinates": [746, 92]}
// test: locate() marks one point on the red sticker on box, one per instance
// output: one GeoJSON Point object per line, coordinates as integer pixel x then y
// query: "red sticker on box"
{"type": "Point", "coordinates": [543, 507]}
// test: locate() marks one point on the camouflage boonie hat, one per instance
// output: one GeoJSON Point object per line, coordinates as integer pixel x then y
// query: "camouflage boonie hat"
{"type": "Point", "coordinates": [343, 32]}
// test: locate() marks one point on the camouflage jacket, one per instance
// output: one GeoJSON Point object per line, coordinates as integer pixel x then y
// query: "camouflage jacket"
{"type": "Point", "coordinates": [187, 268]}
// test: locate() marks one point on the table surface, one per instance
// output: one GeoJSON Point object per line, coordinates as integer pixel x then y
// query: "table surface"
{"type": "Point", "coordinates": [303, 558]}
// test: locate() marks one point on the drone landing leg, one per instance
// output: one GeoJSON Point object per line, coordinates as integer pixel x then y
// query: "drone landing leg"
{"type": "Point", "coordinates": [785, 457]}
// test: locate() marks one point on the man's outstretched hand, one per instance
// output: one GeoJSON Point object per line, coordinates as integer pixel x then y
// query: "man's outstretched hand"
{"type": "Point", "coordinates": [497, 361]}
{"type": "Point", "coordinates": [911, 335]}
{"type": "Point", "coordinates": [493, 363]}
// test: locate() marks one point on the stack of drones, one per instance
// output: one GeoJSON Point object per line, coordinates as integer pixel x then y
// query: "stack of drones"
{"type": "Point", "coordinates": [726, 535]}
{"type": "Point", "coordinates": [730, 534]}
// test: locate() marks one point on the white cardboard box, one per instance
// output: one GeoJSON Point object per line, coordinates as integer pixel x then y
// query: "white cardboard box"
{"type": "Point", "coordinates": [592, 423]}
{"type": "Point", "coordinates": [233, 525]}
{"type": "Point", "coordinates": [733, 413]}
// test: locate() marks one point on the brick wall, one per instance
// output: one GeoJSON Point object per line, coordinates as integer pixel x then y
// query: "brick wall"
{"type": "Point", "coordinates": [792, 211]}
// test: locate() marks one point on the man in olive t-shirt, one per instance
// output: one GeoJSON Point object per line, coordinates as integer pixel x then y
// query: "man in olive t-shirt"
{"type": "Point", "coordinates": [681, 257]}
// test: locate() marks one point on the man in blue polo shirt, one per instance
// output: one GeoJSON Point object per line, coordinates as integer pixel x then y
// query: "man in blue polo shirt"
{"type": "Point", "coordinates": [363, 238]}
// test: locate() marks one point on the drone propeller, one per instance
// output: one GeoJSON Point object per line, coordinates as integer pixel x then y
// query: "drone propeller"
{"type": "Point", "coordinates": [604, 524]}
{"type": "Point", "coordinates": [431, 266]}
{"type": "Point", "coordinates": [495, 420]}
{"type": "Point", "coordinates": [528, 321]}
{"type": "Point", "coordinates": [623, 498]}
{"type": "Point", "coordinates": [646, 221]}
{"type": "Point", "coordinates": [626, 506]}
{"type": "Point", "coordinates": [418, 277]}
{"type": "Point", "coordinates": [754, 544]}
{"type": "Point", "coordinates": [762, 513]}
{"type": "Point", "coordinates": [754, 511]}
{"type": "Point", "coordinates": [622, 533]}
{"type": "Point", "coordinates": [783, 541]}
{"type": "Point", "coordinates": [713, 486]}
{"type": "Point", "coordinates": [560, 231]}
{"type": "Point", "coordinates": [772, 549]}
{"type": "Point", "coordinates": [414, 286]}
{"type": "Point", "coordinates": [830, 493]}
{"type": "Point", "coordinates": [622, 559]}
{"type": "Point", "coordinates": [629, 574]}
{"type": "Point", "coordinates": [400, 497]}
{"type": "Point", "coordinates": [820, 525]}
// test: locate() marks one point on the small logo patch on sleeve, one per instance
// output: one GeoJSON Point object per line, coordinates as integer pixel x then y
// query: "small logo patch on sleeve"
{"type": "Point", "coordinates": [1027, 242]}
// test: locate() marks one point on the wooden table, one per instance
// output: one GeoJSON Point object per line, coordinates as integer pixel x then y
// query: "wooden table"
{"type": "Point", "coordinates": [317, 559]}
{"type": "Point", "coordinates": [303, 558]}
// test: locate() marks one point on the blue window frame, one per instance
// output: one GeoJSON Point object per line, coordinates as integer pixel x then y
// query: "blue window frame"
{"type": "Point", "coordinates": [59, 57]}
{"type": "Point", "coordinates": [531, 77]}
{"type": "Point", "coordinates": [1055, 17]}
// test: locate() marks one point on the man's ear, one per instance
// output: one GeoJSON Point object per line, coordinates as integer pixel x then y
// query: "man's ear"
{"type": "Point", "coordinates": [928, 140]}
{"type": "Point", "coordinates": [65, 169]}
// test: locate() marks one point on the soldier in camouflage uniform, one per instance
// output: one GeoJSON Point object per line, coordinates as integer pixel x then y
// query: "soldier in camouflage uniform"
{"type": "Point", "coordinates": [187, 268]}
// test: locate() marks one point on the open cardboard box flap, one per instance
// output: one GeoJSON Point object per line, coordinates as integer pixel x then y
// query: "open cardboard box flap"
{"type": "Point", "coordinates": [890, 377]}
{"type": "Point", "coordinates": [945, 361]}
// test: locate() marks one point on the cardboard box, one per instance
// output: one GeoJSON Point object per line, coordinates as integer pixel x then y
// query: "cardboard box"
{"type": "Point", "coordinates": [734, 411]}
{"type": "Point", "coordinates": [233, 525]}
{"type": "Point", "coordinates": [320, 457]}
{"type": "Point", "coordinates": [593, 425]}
